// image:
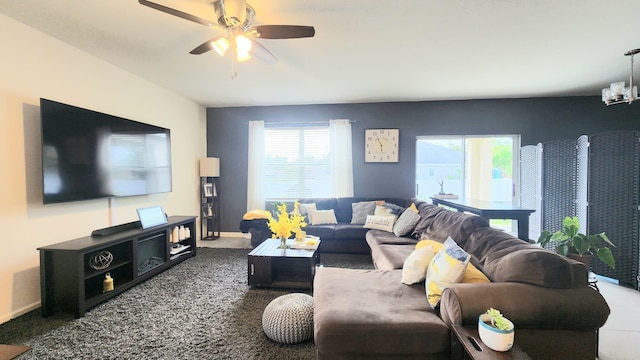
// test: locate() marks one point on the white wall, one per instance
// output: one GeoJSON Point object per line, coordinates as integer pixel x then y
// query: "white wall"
{"type": "Point", "coordinates": [35, 65]}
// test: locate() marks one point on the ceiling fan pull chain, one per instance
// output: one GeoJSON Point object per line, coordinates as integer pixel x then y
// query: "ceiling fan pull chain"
{"type": "Point", "coordinates": [234, 53]}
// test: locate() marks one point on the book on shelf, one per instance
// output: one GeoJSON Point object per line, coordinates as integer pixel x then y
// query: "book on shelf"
{"type": "Point", "coordinates": [172, 257]}
{"type": "Point", "coordinates": [178, 248]}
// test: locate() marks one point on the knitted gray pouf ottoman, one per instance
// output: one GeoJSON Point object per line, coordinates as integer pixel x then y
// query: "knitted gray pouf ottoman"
{"type": "Point", "coordinates": [288, 319]}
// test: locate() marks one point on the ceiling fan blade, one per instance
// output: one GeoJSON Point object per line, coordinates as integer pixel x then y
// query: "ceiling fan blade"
{"type": "Point", "coordinates": [177, 13]}
{"type": "Point", "coordinates": [282, 31]}
{"type": "Point", "coordinates": [203, 48]}
{"type": "Point", "coordinates": [261, 52]}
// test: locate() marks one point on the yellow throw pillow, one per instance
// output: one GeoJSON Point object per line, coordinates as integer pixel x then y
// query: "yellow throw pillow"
{"type": "Point", "coordinates": [472, 274]}
{"type": "Point", "coordinates": [413, 208]}
{"type": "Point", "coordinates": [255, 214]}
{"type": "Point", "coordinates": [436, 245]}
{"type": "Point", "coordinates": [446, 268]}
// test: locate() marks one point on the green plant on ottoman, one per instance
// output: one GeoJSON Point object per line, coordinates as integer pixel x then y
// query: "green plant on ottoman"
{"type": "Point", "coordinates": [288, 319]}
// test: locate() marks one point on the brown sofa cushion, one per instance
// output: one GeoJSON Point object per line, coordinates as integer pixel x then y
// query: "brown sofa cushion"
{"type": "Point", "coordinates": [391, 256]}
{"type": "Point", "coordinates": [441, 223]}
{"type": "Point", "coordinates": [388, 251]}
{"type": "Point", "coordinates": [427, 213]}
{"type": "Point", "coordinates": [378, 237]}
{"type": "Point", "coordinates": [506, 258]}
{"type": "Point", "coordinates": [486, 242]}
{"type": "Point", "coordinates": [531, 266]}
{"type": "Point", "coordinates": [371, 313]}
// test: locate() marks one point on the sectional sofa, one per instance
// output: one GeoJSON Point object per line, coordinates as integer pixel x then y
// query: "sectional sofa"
{"type": "Point", "coordinates": [371, 314]}
{"type": "Point", "coordinates": [345, 234]}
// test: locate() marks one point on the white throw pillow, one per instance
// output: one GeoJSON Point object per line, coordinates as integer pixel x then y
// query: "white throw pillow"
{"type": "Point", "coordinates": [319, 217]}
{"type": "Point", "coordinates": [380, 222]}
{"type": "Point", "coordinates": [415, 266]}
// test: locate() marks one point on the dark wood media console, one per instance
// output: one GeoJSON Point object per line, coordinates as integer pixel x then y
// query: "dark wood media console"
{"type": "Point", "coordinates": [68, 282]}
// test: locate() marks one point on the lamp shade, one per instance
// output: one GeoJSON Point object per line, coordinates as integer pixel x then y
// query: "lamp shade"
{"type": "Point", "coordinates": [210, 167]}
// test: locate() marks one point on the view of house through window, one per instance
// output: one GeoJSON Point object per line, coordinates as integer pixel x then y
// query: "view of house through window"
{"type": "Point", "coordinates": [297, 163]}
{"type": "Point", "coordinates": [477, 167]}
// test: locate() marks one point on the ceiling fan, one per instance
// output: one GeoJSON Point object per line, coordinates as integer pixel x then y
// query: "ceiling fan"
{"type": "Point", "coordinates": [234, 17]}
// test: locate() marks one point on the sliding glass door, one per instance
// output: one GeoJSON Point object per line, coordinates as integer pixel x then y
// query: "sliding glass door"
{"type": "Point", "coordinates": [477, 167]}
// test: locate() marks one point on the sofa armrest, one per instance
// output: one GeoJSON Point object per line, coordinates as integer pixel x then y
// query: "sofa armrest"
{"type": "Point", "coordinates": [527, 306]}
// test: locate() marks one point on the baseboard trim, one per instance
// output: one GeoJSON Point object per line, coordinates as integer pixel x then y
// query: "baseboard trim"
{"type": "Point", "coordinates": [19, 312]}
{"type": "Point", "coordinates": [235, 234]}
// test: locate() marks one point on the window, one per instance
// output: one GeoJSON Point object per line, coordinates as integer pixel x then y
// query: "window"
{"type": "Point", "coordinates": [287, 163]}
{"type": "Point", "coordinates": [297, 163]}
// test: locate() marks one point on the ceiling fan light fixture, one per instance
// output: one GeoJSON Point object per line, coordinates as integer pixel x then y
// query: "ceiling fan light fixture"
{"type": "Point", "coordinates": [243, 48]}
{"type": "Point", "coordinates": [243, 43]}
{"type": "Point", "coordinates": [242, 56]}
{"type": "Point", "coordinates": [220, 45]}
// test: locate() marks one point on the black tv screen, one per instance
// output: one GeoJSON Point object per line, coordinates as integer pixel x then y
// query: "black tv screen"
{"type": "Point", "coordinates": [89, 155]}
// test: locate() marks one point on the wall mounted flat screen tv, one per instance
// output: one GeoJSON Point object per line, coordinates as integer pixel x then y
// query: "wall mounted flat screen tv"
{"type": "Point", "coordinates": [89, 155]}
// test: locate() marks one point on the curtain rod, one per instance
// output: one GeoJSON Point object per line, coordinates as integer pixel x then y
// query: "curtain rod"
{"type": "Point", "coordinates": [303, 123]}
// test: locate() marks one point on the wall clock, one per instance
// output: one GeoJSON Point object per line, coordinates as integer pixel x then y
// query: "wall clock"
{"type": "Point", "coordinates": [381, 145]}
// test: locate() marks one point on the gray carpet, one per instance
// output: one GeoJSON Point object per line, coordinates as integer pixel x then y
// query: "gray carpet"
{"type": "Point", "coordinates": [199, 309]}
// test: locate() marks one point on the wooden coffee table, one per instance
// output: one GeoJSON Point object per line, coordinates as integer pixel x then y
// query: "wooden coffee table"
{"type": "Point", "coordinates": [269, 266]}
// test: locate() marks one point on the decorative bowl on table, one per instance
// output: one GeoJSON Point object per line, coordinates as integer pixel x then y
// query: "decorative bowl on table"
{"type": "Point", "coordinates": [494, 338]}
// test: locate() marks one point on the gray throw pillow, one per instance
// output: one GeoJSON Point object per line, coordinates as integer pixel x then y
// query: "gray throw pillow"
{"type": "Point", "coordinates": [406, 223]}
{"type": "Point", "coordinates": [361, 210]}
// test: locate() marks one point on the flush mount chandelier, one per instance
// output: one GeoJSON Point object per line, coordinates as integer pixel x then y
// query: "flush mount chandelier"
{"type": "Point", "coordinates": [617, 93]}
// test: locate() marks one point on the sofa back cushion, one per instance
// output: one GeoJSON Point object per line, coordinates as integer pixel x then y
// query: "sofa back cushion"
{"type": "Point", "coordinates": [321, 203]}
{"type": "Point", "coordinates": [507, 258]}
{"type": "Point", "coordinates": [438, 223]}
{"type": "Point", "coordinates": [344, 210]}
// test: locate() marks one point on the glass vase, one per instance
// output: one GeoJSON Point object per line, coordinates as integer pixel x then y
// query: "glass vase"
{"type": "Point", "coordinates": [283, 243]}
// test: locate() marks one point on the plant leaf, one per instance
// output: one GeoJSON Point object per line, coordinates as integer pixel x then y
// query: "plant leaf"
{"type": "Point", "coordinates": [571, 225]}
{"type": "Point", "coordinates": [544, 238]}
{"type": "Point", "coordinates": [581, 243]}
{"type": "Point", "coordinates": [562, 249]}
{"type": "Point", "coordinates": [604, 237]}
{"type": "Point", "coordinates": [605, 255]}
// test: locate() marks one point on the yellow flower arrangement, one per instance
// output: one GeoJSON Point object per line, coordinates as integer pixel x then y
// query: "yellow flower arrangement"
{"type": "Point", "coordinates": [286, 224]}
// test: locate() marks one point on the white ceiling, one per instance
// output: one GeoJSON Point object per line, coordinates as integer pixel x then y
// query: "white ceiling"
{"type": "Point", "coordinates": [363, 50]}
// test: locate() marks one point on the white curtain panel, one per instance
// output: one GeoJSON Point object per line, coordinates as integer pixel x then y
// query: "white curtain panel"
{"type": "Point", "coordinates": [255, 191]}
{"type": "Point", "coordinates": [342, 158]}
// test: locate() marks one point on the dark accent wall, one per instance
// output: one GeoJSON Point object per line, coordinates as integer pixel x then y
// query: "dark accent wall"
{"type": "Point", "coordinates": [536, 120]}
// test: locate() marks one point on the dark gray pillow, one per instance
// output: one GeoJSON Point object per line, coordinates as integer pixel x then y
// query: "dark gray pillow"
{"type": "Point", "coordinates": [394, 209]}
{"type": "Point", "coordinates": [361, 210]}
{"type": "Point", "coordinates": [406, 222]}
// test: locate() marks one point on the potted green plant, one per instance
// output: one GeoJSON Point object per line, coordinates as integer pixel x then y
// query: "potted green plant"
{"type": "Point", "coordinates": [570, 241]}
{"type": "Point", "coordinates": [495, 330]}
